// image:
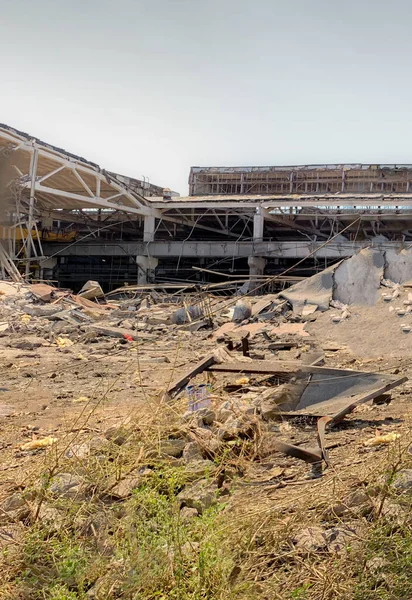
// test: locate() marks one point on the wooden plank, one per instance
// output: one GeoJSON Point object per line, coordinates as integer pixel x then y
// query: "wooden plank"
{"type": "Point", "coordinates": [263, 303]}
{"type": "Point", "coordinates": [182, 381]}
{"type": "Point", "coordinates": [259, 366]}
{"type": "Point", "coordinates": [117, 332]}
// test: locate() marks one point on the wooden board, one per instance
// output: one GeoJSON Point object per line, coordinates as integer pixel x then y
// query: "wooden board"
{"type": "Point", "coordinates": [259, 366]}
{"type": "Point", "coordinates": [183, 380]}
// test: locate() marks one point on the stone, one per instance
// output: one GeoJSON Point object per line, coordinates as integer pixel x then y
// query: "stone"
{"type": "Point", "coordinates": [270, 400]}
{"type": "Point", "coordinates": [358, 502]}
{"type": "Point", "coordinates": [209, 443]}
{"type": "Point", "coordinates": [13, 502]}
{"type": "Point", "coordinates": [269, 410]}
{"type": "Point", "coordinates": [52, 517]}
{"type": "Point", "coordinates": [67, 485]}
{"type": "Point", "coordinates": [340, 538]}
{"type": "Point", "coordinates": [242, 311]}
{"type": "Point", "coordinates": [190, 548]}
{"type": "Point", "coordinates": [198, 468]}
{"type": "Point", "coordinates": [310, 539]}
{"type": "Point", "coordinates": [172, 447]}
{"type": "Point", "coordinates": [127, 324]}
{"type": "Point", "coordinates": [403, 481]}
{"type": "Point", "coordinates": [117, 435]}
{"type": "Point", "coordinates": [78, 451]}
{"type": "Point", "coordinates": [207, 416]}
{"type": "Point", "coordinates": [11, 538]}
{"type": "Point", "coordinates": [394, 513]}
{"type": "Point", "coordinates": [201, 495]}
{"type": "Point", "coordinates": [125, 487]}
{"type": "Point", "coordinates": [187, 514]}
{"type": "Point", "coordinates": [376, 564]}
{"type": "Point", "coordinates": [192, 452]}
{"type": "Point", "coordinates": [234, 428]}
{"type": "Point", "coordinates": [223, 414]}
{"type": "Point", "coordinates": [183, 315]}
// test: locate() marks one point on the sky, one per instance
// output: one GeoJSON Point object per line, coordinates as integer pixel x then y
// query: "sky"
{"type": "Point", "coordinates": [152, 87]}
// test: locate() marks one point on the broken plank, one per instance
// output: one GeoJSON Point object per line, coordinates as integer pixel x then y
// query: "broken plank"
{"type": "Point", "coordinates": [259, 366]}
{"type": "Point", "coordinates": [117, 332]}
{"type": "Point", "coordinates": [182, 381]}
{"type": "Point", "coordinates": [266, 301]}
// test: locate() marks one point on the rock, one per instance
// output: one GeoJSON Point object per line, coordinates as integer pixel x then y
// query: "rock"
{"type": "Point", "coordinates": [208, 442]}
{"type": "Point", "coordinates": [358, 502]}
{"type": "Point", "coordinates": [270, 400]}
{"type": "Point", "coordinates": [310, 539]}
{"type": "Point", "coordinates": [269, 410]}
{"type": "Point", "coordinates": [403, 481]}
{"type": "Point", "coordinates": [207, 416]}
{"type": "Point", "coordinates": [52, 517]}
{"type": "Point", "coordinates": [376, 564]}
{"type": "Point", "coordinates": [172, 447]}
{"type": "Point", "coordinates": [14, 509]}
{"type": "Point", "coordinates": [242, 311]}
{"type": "Point", "coordinates": [183, 315]}
{"type": "Point", "coordinates": [11, 538]}
{"type": "Point", "coordinates": [117, 435]}
{"type": "Point", "coordinates": [13, 502]}
{"type": "Point", "coordinates": [223, 414]}
{"type": "Point", "coordinates": [27, 345]}
{"type": "Point", "coordinates": [127, 324]}
{"type": "Point", "coordinates": [67, 485]}
{"type": "Point", "coordinates": [394, 513]}
{"type": "Point", "coordinates": [200, 495]}
{"type": "Point", "coordinates": [99, 445]}
{"type": "Point", "coordinates": [192, 452]}
{"type": "Point", "coordinates": [340, 538]}
{"type": "Point", "coordinates": [78, 451]}
{"type": "Point", "coordinates": [198, 468]}
{"type": "Point", "coordinates": [190, 548]}
{"type": "Point", "coordinates": [234, 428]}
{"type": "Point", "coordinates": [125, 487]}
{"type": "Point", "coordinates": [154, 360]}
{"type": "Point", "coordinates": [187, 514]}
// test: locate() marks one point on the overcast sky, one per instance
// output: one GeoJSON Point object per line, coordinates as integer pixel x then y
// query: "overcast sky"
{"type": "Point", "coordinates": [151, 87]}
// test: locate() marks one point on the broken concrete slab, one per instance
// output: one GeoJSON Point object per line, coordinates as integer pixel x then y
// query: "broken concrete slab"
{"type": "Point", "coordinates": [91, 290]}
{"type": "Point", "coordinates": [357, 280]}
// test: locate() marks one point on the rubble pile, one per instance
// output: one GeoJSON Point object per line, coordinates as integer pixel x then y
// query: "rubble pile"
{"type": "Point", "coordinates": [238, 399]}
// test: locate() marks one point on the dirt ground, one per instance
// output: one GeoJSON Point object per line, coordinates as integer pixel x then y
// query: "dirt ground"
{"type": "Point", "coordinates": [76, 391]}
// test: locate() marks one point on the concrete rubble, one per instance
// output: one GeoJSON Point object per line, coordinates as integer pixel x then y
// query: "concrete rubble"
{"type": "Point", "coordinates": [268, 384]}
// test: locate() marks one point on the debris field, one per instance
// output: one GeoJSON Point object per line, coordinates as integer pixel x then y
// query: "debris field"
{"type": "Point", "coordinates": [251, 397]}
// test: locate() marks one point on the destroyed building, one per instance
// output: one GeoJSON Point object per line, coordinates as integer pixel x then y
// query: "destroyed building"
{"type": "Point", "coordinates": [67, 219]}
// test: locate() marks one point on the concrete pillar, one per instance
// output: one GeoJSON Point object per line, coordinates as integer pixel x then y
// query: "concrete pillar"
{"type": "Point", "coordinates": [258, 225]}
{"type": "Point", "coordinates": [147, 266]}
{"type": "Point", "coordinates": [256, 267]}
{"type": "Point", "coordinates": [148, 229]}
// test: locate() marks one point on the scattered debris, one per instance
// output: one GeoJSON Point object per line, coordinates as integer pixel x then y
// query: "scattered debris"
{"type": "Point", "coordinates": [37, 444]}
{"type": "Point", "coordinates": [388, 438]}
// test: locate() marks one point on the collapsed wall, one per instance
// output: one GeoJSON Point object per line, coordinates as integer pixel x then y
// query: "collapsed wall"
{"type": "Point", "coordinates": [352, 281]}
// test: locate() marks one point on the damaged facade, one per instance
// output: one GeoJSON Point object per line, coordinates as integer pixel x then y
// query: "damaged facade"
{"type": "Point", "coordinates": [66, 219]}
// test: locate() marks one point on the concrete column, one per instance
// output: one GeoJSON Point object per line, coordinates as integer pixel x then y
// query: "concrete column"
{"type": "Point", "coordinates": [258, 225]}
{"type": "Point", "coordinates": [256, 267]}
{"type": "Point", "coordinates": [147, 266]}
{"type": "Point", "coordinates": [148, 229]}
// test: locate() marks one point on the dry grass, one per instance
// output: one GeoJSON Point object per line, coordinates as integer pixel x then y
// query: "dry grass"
{"type": "Point", "coordinates": [97, 545]}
